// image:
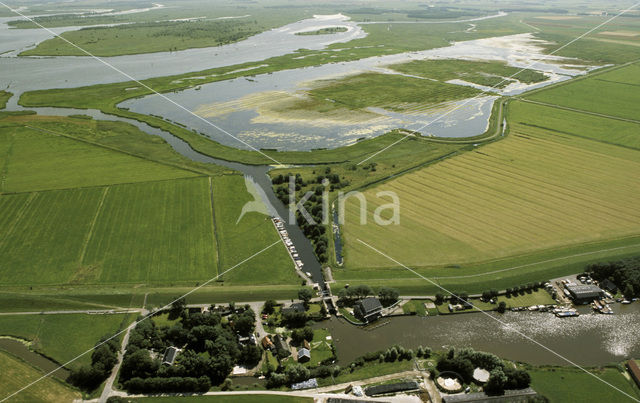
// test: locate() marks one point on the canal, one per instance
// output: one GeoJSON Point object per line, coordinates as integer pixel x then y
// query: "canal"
{"type": "Point", "coordinates": [590, 339]}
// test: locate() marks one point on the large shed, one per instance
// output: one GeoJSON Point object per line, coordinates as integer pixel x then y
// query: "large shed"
{"type": "Point", "coordinates": [368, 309]}
{"type": "Point", "coordinates": [584, 293]}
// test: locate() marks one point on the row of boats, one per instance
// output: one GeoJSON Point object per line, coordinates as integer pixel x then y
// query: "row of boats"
{"type": "Point", "coordinates": [559, 311]}
{"type": "Point", "coordinates": [288, 242]}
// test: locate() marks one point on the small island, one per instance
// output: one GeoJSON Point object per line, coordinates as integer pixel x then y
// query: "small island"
{"type": "Point", "coordinates": [324, 31]}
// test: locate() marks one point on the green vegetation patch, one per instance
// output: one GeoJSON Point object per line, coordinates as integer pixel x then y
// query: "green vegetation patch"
{"type": "Point", "coordinates": [394, 92]}
{"type": "Point", "coordinates": [63, 337]}
{"type": "Point", "coordinates": [615, 93]}
{"type": "Point", "coordinates": [257, 398]}
{"type": "Point", "coordinates": [324, 31]}
{"type": "Point", "coordinates": [4, 97]}
{"type": "Point", "coordinates": [563, 122]}
{"type": "Point", "coordinates": [35, 160]}
{"type": "Point", "coordinates": [490, 74]}
{"type": "Point", "coordinates": [150, 232]}
{"type": "Point", "coordinates": [241, 235]}
{"type": "Point", "coordinates": [16, 374]}
{"type": "Point", "coordinates": [571, 384]}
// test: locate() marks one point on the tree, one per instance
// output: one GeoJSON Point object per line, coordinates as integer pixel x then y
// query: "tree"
{"type": "Point", "coordinates": [502, 307]}
{"type": "Point", "coordinates": [628, 292]}
{"type": "Point", "coordinates": [486, 295]}
{"type": "Point", "coordinates": [517, 378]}
{"type": "Point", "coordinates": [496, 383]}
{"type": "Point", "coordinates": [269, 307]}
{"type": "Point", "coordinates": [250, 354]}
{"type": "Point", "coordinates": [297, 373]}
{"type": "Point", "coordinates": [138, 364]}
{"type": "Point", "coordinates": [244, 324]}
{"type": "Point", "coordinates": [439, 299]}
{"type": "Point", "coordinates": [177, 307]}
{"type": "Point", "coordinates": [388, 295]}
{"type": "Point", "coordinates": [305, 295]}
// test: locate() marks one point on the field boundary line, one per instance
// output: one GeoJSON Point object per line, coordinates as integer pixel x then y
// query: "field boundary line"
{"type": "Point", "coordinates": [133, 325]}
{"type": "Point", "coordinates": [601, 115]}
{"type": "Point", "coordinates": [93, 223]}
{"type": "Point", "coordinates": [503, 323]}
{"type": "Point", "coordinates": [101, 60]}
{"type": "Point", "coordinates": [115, 149]}
{"type": "Point", "coordinates": [18, 217]}
{"type": "Point", "coordinates": [504, 80]}
{"type": "Point", "coordinates": [214, 232]}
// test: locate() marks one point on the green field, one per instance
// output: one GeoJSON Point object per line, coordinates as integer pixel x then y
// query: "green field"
{"type": "Point", "coordinates": [16, 374]}
{"type": "Point", "coordinates": [569, 384]}
{"type": "Point", "coordinates": [63, 337]}
{"type": "Point", "coordinates": [34, 160]}
{"type": "Point", "coordinates": [4, 97]}
{"type": "Point", "coordinates": [490, 74]}
{"type": "Point", "coordinates": [613, 93]}
{"type": "Point", "coordinates": [239, 240]}
{"type": "Point", "coordinates": [563, 122]}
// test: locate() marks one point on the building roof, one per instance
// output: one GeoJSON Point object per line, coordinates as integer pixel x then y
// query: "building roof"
{"type": "Point", "coordinates": [584, 290]}
{"type": "Point", "coordinates": [170, 355]}
{"type": "Point", "coordinates": [509, 396]}
{"type": "Point", "coordinates": [391, 388]}
{"type": "Point", "coordinates": [369, 305]}
{"type": "Point", "coordinates": [608, 285]}
{"type": "Point", "coordinates": [295, 307]}
{"type": "Point", "coordinates": [635, 371]}
{"type": "Point", "coordinates": [481, 375]}
{"type": "Point", "coordinates": [303, 352]}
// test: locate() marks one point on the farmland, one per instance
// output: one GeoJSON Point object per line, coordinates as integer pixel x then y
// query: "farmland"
{"type": "Point", "coordinates": [16, 373]}
{"type": "Point", "coordinates": [613, 93]}
{"type": "Point", "coordinates": [49, 334]}
{"type": "Point", "coordinates": [510, 198]}
{"type": "Point", "coordinates": [561, 384]}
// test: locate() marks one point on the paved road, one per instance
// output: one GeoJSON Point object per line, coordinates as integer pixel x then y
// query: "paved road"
{"type": "Point", "coordinates": [108, 386]}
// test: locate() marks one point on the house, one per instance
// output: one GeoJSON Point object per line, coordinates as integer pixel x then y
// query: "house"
{"type": "Point", "coordinates": [368, 309]}
{"type": "Point", "coordinates": [169, 356]}
{"type": "Point", "coordinates": [304, 355]}
{"type": "Point", "coordinates": [584, 293]}
{"type": "Point", "coordinates": [295, 307]}
{"type": "Point", "coordinates": [634, 370]}
{"type": "Point", "coordinates": [267, 344]}
{"type": "Point", "coordinates": [609, 285]}
{"type": "Point", "coordinates": [281, 346]}
{"type": "Point", "coordinates": [388, 388]}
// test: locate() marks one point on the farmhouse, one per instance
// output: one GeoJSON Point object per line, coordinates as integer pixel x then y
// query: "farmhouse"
{"type": "Point", "coordinates": [634, 370]}
{"type": "Point", "coordinates": [304, 355]}
{"type": "Point", "coordinates": [392, 388]}
{"type": "Point", "coordinates": [170, 355]}
{"type": "Point", "coordinates": [584, 293]}
{"type": "Point", "coordinates": [295, 307]}
{"type": "Point", "coordinates": [368, 309]}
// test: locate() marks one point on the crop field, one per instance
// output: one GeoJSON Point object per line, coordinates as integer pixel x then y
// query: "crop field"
{"type": "Point", "coordinates": [491, 74]}
{"type": "Point", "coordinates": [155, 231]}
{"type": "Point", "coordinates": [562, 122]}
{"type": "Point", "coordinates": [615, 93]}
{"type": "Point", "coordinates": [32, 160]}
{"type": "Point", "coordinates": [534, 190]}
{"type": "Point", "coordinates": [150, 232]}
{"type": "Point", "coordinates": [65, 336]}
{"type": "Point", "coordinates": [240, 239]}
{"type": "Point", "coordinates": [16, 373]}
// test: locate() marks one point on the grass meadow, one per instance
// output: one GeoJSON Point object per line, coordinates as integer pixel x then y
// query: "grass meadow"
{"type": "Point", "coordinates": [613, 93]}
{"type": "Point", "coordinates": [240, 239]}
{"type": "Point", "coordinates": [16, 373]}
{"type": "Point", "coordinates": [4, 97]}
{"type": "Point", "coordinates": [31, 160]}
{"type": "Point", "coordinates": [65, 336]}
{"type": "Point", "coordinates": [572, 384]}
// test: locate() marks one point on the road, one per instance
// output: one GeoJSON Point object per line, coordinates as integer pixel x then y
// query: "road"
{"type": "Point", "coordinates": [108, 386]}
